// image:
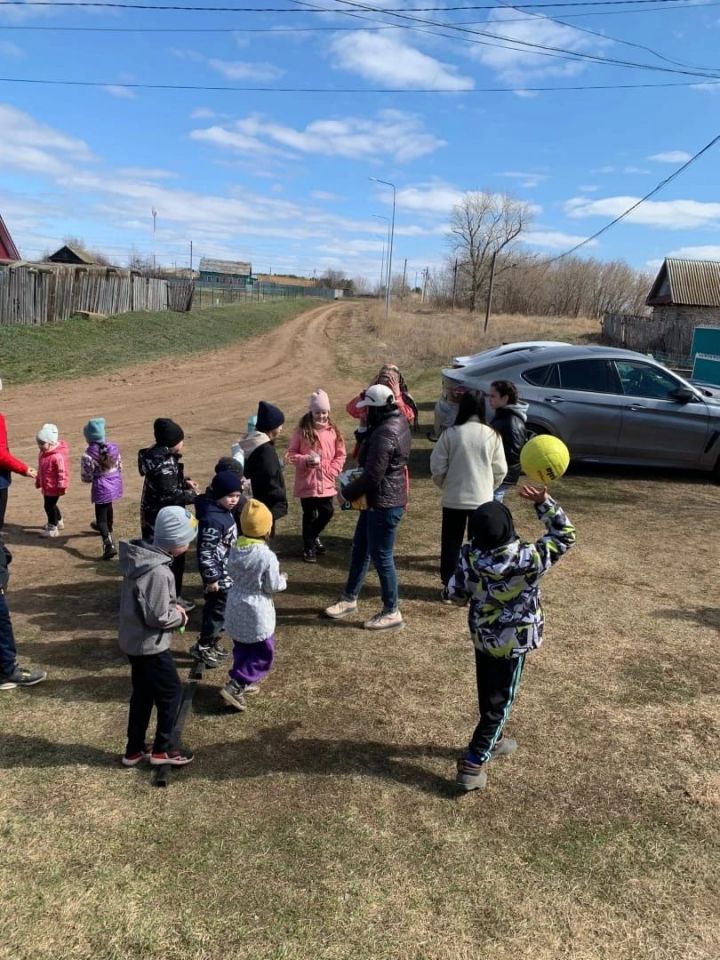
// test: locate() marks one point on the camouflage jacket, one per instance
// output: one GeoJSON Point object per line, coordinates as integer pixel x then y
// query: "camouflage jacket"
{"type": "Point", "coordinates": [506, 616]}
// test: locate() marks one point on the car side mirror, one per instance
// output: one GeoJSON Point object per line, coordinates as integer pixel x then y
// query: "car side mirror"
{"type": "Point", "coordinates": [683, 395]}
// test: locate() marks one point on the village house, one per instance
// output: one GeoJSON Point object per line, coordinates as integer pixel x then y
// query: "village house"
{"type": "Point", "coordinates": [8, 250]}
{"type": "Point", "coordinates": [687, 292]}
{"type": "Point", "coordinates": [225, 272]}
{"type": "Point", "coordinates": [71, 255]}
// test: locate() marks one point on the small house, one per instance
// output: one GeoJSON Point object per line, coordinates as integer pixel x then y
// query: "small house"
{"type": "Point", "coordinates": [8, 250]}
{"type": "Point", "coordinates": [687, 290]}
{"type": "Point", "coordinates": [72, 255]}
{"type": "Point", "coordinates": [227, 272]}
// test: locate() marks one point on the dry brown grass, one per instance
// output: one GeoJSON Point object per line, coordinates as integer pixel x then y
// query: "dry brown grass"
{"type": "Point", "coordinates": [323, 823]}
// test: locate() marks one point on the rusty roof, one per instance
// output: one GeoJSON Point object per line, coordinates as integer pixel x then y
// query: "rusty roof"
{"type": "Point", "coordinates": [233, 268]}
{"type": "Point", "coordinates": [693, 283]}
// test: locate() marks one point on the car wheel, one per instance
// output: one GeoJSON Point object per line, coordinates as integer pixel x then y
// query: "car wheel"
{"type": "Point", "coordinates": [716, 472]}
{"type": "Point", "coordinates": [536, 430]}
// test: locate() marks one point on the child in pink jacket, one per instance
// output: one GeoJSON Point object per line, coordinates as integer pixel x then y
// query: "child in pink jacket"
{"type": "Point", "coordinates": [53, 476]}
{"type": "Point", "coordinates": [317, 450]}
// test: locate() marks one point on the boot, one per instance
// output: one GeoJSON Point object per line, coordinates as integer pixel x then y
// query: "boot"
{"type": "Point", "coordinates": [109, 550]}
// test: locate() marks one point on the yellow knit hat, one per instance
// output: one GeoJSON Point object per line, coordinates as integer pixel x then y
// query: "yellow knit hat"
{"type": "Point", "coordinates": [256, 520]}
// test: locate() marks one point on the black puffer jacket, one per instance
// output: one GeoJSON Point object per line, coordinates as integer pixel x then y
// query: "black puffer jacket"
{"type": "Point", "coordinates": [164, 484]}
{"type": "Point", "coordinates": [384, 457]}
{"type": "Point", "coordinates": [509, 421]}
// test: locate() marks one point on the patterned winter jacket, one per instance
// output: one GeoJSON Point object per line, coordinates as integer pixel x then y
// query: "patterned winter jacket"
{"type": "Point", "coordinates": [250, 611]}
{"type": "Point", "coordinates": [107, 484]}
{"type": "Point", "coordinates": [216, 534]}
{"type": "Point", "coordinates": [164, 484]}
{"type": "Point", "coordinates": [506, 616]}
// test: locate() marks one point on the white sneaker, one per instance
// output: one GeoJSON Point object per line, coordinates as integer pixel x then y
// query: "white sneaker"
{"type": "Point", "coordinates": [384, 621]}
{"type": "Point", "coordinates": [341, 609]}
{"type": "Point", "coordinates": [61, 524]}
{"type": "Point", "coordinates": [49, 531]}
{"type": "Point", "coordinates": [42, 532]}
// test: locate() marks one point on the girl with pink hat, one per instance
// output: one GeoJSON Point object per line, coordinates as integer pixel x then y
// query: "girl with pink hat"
{"type": "Point", "coordinates": [317, 449]}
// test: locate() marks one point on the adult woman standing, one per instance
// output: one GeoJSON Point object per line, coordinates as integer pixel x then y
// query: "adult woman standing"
{"type": "Point", "coordinates": [509, 421]}
{"type": "Point", "coordinates": [468, 464]}
{"type": "Point", "coordinates": [9, 465]}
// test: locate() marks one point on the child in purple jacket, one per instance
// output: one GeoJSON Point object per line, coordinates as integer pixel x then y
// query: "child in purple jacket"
{"type": "Point", "coordinates": [101, 465]}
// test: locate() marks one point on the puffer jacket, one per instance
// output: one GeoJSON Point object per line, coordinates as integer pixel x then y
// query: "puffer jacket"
{"type": "Point", "coordinates": [255, 572]}
{"type": "Point", "coordinates": [383, 458]}
{"type": "Point", "coordinates": [148, 604]}
{"type": "Point", "coordinates": [317, 480]}
{"type": "Point", "coordinates": [8, 463]}
{"type": "Point", "coordinates": [264, 471]}
{"type": "Point", "coordinates": [164, 484]}
{"type": "Point", "coordinates": [506, 617]}
{"type": "Point", "coordinates": [107, 485]}
{"type": "Point", "coordinates": [216, 534]}
{"type": "Point", "coordinates": [54, 470]}
{"type": "Point", "coordinates": [509, 421]}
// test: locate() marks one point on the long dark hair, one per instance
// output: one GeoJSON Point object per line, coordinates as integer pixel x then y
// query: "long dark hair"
{"type": "Point", "coordinates": [471, 405]}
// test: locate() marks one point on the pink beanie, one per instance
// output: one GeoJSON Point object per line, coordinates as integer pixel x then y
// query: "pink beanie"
{"type": "Point", "coordinates": [319, 402]}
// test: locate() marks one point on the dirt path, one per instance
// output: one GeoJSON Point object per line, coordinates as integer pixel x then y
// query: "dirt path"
{"type": "Point", "coordinates": [211, 395]}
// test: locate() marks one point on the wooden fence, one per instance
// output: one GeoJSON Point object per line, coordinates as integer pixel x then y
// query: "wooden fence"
{"type": "Point", "coordinates": [671, 338]}
{"type": "Point", "coordinates": [39, 293]}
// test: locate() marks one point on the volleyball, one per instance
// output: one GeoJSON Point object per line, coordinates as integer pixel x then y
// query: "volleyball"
{"type": "Point", "coordinates": [544, 458]}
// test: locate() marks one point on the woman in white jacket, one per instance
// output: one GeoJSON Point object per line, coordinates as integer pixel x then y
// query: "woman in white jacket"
{"type": "Point", "coordinates": [467, 463]}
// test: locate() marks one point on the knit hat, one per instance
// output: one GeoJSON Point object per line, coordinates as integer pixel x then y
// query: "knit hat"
{"type": "Point", "coordinates": [167, 432]}
{"type": "Point", "coordinates": [174, 527]}
{"type": "Point", "coordinates": [269, 417]}
{"type": "Point", "coordinates": [256, 520]}
{"type": "Point", "coordinates": [229, 463]}
{"type": "Point", "coordinates": [491, 526]}
{"type": "Point", "coordinates": [377, 396]}
{"type": "Point", "coordinates": [48, 433]}
{"type": "Point", "coordinates": [225, 483]}
{"type": "Point", "coordinates": [319, 402]}
{"type": "Point", "coordinates": [94, 430]}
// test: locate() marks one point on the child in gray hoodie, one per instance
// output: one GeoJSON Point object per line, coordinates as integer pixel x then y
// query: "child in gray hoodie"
{"type": "Point", "coordinates": [149, 612]}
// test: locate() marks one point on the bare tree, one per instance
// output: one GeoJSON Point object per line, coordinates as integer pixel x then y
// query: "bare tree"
{"type": "Point", "coordinates": [483, 224]}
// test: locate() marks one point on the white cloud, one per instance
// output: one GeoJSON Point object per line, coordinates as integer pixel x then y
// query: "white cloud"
{"type": "Point", "coordinates": [554, 239]}
{"type": "Point", "coordinates": [668, 214]}
{"type": "Point", "coordinates": [588, 187]}
{"type": "Point", "coordinates": [388, 60]}
{"type": "Point", "coordinates": [390, 133]}
{"type": "Point", "coordinates": [529, 180]}
{"type": "Point", "coordinates": [707, 252]}
{"type": "Point", "coordinates": [671, 156]}
{"type": "Point", "coordinates": [122, 93]}
{"type": "Point", "coordinates": [10, 50]}
{"type": "Point", "coordinates": [243, 70]}
{"type": "Point", "coordinates": [517, 64]}
{"type": "Point", "coordinates": [430, 198]}
{"type": "Point", "coordinates": [33, 147]}
{"type": "Point", "coordinates": [354, 248]}
{"type": "Point", "coordinates": [146, 173]}
{"type": "Point", "coordinates": [325, 195]}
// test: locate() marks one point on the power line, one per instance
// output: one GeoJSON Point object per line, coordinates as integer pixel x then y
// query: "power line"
{"type": "Point", "coordinates": [351, 90]}
{"type": "Point", "coordinates": [625, 213]}
{"type": "Point", "coordinates": [109, 4]}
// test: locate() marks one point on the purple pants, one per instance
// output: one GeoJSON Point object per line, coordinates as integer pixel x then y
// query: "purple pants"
{"type": "Point", "coordinates": [252, 661]}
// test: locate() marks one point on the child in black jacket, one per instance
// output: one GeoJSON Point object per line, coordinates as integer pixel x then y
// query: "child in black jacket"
{"type": "Point", "coordinates": [11, 673]}
{"type": "Point", "coordinates": [262, 464]}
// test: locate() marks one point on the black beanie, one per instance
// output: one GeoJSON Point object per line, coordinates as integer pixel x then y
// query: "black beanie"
{"type": "Point", "coordinates": [167, 432]}
{"type": "Point", "coordinates": [225, 483]}
{"type": "Point", "coordinates": [229, 463]}
{"type": "Point", "coordinates": [269, 417]}
{"type": "Point", "coordinates": [491, 526]}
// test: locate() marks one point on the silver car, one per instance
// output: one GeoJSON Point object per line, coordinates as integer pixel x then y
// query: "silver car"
{"type": "Point", "coordinates": [608, 405]}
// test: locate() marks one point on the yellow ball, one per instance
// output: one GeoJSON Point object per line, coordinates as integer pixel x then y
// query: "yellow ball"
{"type": "Point", "coordinates": [544, 458]}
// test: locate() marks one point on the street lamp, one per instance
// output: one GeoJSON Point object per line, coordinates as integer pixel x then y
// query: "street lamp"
{"type": "Point", "coordinates": [379, 216]}
{"type": "Point", "coordinates": [392, 240]}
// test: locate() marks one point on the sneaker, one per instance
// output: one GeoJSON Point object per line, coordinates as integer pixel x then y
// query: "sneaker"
{"type": "Point", "coordinates": [133, 759]}
{"type": "Point", "coordinates": [341, 609]}
{"type": "Point", "coordinates": [504, 747]}
{"type": "Point", "coordinates": [109, 550]}
{"type": "Point", "coordinates": [384, 621]}
{"type": "Point", "coordinates": [20, 677]}
{"type": "Point", "coordinates": [176, 758]}
{"type": "Point", "coordinates": [233, 694]}
{"type": "Point", "coordinates": [470, 776]}
{"type": "Point", "coordinates": [49, 531]}
{"type": "Point", "coordinates": [251, 689]}
{"type": "Point", "coordinates": [309, 555]}
{"type": "Point", "coordinates": [206, 654]}
{"type": "Point", "coordinates": [219, 650]}
{"type": "Point", "coordinates": [445, 596]}
{"type": "Point", "coordinates": [187, 605]}
{"type": "Point", "coordinates": [61, 524]}
{"type": "Point", "coordinates": [320, 547]}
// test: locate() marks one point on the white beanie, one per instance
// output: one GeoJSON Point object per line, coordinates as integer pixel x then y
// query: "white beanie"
{"type": "Point", "coordinates": [174, 527]}
{"type": "Point", "coordinates": [48, 433]}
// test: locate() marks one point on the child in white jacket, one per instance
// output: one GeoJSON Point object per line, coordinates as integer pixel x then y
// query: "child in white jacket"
{"type": "Point", "coordinates": [250, 611]}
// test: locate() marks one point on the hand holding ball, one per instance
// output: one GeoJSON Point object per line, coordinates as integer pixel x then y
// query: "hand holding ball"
{"type": "Point", "coordinates": [544, 458]}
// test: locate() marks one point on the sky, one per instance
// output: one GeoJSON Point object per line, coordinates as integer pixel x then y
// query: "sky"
{"type": "Point", "coordinates": [335, 93]}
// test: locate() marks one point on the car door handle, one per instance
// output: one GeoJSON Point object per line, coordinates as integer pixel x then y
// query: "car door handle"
{"type": "Point", "coordinates": [635, 407]}
{"type": "Point", "coordinates": [555, 399]}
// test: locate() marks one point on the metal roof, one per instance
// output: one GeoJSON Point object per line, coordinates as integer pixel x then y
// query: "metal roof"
{"type": "Point", "coordinates": [693, 283]}
{"type": "Point", "coordinates": [233, 268]}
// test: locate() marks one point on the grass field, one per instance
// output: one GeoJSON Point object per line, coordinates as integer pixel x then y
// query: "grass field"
{"type": "Point", "coordinates": [81, 347]}
{"type": "Point", "coordinates": [323, 823]}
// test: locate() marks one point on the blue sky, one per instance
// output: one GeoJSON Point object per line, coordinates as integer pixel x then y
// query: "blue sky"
{"type": "Point", "coordinates": [281, 178]}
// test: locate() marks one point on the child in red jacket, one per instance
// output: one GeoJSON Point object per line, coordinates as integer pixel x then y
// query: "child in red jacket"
{"type": "Point", "coordinates": [53, 476]}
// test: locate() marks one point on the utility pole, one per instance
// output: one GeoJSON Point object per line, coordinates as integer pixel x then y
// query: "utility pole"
{"type": "Point", "coordinates": [426, 276]}
{"type": "Point", "coordinates": [383, 285]}
{"type": "Point", "coordinates": [490, 291]}
{"type": "Point", "coordinates": [454, 284]}
{"type": "Point", "coordinates": [191, 269]}
{"type": "Point", "coordinates": [392, 239]}
{"type": "Point", "coordinates": [404, 278]}
{"type": "Point", "coordinates": [382, 268]}
{"type": "Point", "coordinates": [154, 216]}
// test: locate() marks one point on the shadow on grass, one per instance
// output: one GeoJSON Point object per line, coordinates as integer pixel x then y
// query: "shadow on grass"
{"type": "Point", "coordinates": [599, 471]}
{"type": "Point", "coordinates": [66, 607]}
{"type": "Point", "coordinates": [705, 616]}
{"type": "Point", "coordinates": [273, 751]}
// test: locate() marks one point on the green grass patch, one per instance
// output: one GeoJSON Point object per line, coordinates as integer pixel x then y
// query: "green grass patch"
{"type": "Point", "coordinates": [80, 346]}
